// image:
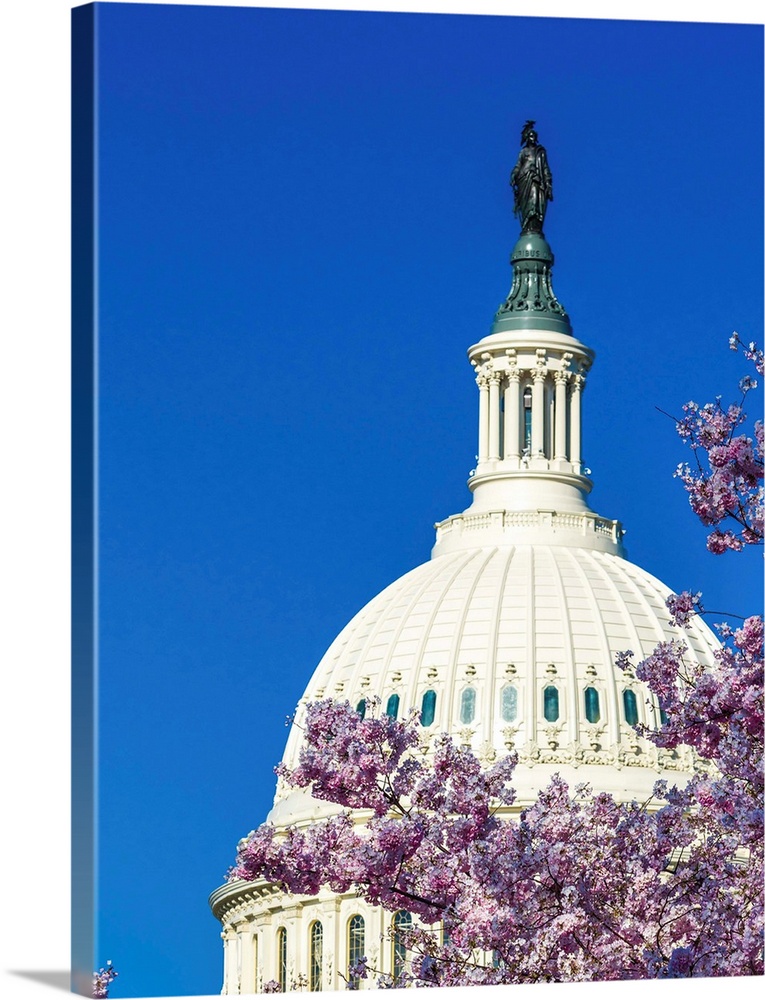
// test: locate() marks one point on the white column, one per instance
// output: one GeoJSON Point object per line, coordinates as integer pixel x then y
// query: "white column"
{"type": "Point", "coordinates": [561, 378]}
{"type": "Point", "coordinates": [513, 415]}
{"type": "Point", "coordinates": [226, 936]}
{"type": "Point", "coordinates": [483, 418]}
{"type": "Point", "coordinates": [576, 422]}
{"type": "Point", "coordinates": [229, 961]}
{"type": "Point", "coordinates": [538, 412]}
{"type": "Point", "coordinates": [494, 416]}
{"type": "Point", "coordinates": [249, 971]}
{"type": "Point", "coordinates": [239, 946]}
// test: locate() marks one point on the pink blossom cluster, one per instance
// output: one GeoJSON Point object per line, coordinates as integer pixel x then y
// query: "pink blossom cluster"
{"type": "Point", "coordinates": [750, 351]}
{"type": "Point", "coordinates": [726, 485]}
{"type": "Point", "coordinates": [102, 980]}
{"type": "Point", "coordinates": [683, 606]}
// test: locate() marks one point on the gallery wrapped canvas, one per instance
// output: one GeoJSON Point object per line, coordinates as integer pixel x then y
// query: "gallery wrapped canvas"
{"type": "Point", "coordinates": [514, 754]}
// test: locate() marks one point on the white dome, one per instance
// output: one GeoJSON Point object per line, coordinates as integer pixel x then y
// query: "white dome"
{"type": "Point", "coordinates": [530, 617]}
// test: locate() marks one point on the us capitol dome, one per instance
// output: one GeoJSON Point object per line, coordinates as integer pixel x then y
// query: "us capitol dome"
{"type": "Point", "coordinates": [506, 638]}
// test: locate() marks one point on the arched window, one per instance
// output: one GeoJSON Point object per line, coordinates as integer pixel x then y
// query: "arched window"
{"type": "Point", "coordinates": [391, 708]}
{"type": "Point", "coordinates": [402, 922]}
{"type": "Point", "coordinates": [509, 703]}
{"type": "Point", "coordinates": [551, 704]}
{"type": "Point", "coordinates": [281, 958]}
{"type": "Point", "coordinates": [316, 948]}
{"type": "Point", "coordinates": [527, 418]}
{"type": "Point", "coordinates": [591, 704]}
{"type": "Point", "coordinates": [355, 947]}
{"type": "Point", "coordinates": [361, 708]}
{"type": "Point", "coordinates": [467, 706]}
{"type": "Point", "coordinates": [662, 716]}
{"type": "Point", "coordinates": [630, 707]}
{"type": "Point", "coordinates": [428, 708]}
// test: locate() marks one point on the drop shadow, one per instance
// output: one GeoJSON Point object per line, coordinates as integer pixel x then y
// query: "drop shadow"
{"type": "Point", "coordinates": [56, 980]}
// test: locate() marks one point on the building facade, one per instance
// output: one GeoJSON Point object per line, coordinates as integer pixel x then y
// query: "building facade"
{"type": "Point", "coordinates": [506, 638]}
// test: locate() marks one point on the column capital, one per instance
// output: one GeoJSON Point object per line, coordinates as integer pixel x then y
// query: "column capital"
{"type": "Point", "coordinates": [579, 381]}
{"type": "Point", "coordinates": [539, 374]}
{"type": "Point", "coordinates": [561, 377]}
{"type": "Point", "coordinates": [482, 380]}
{"type": "Point", "coordinates": [513, 373]}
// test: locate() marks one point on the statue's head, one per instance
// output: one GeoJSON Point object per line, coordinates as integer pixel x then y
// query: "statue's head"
{"type": "Point", "coordinates": [528, 133]}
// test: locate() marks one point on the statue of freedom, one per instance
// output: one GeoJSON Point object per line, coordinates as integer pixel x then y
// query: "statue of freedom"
{"type": "Point", "coordinates": [531, 182]}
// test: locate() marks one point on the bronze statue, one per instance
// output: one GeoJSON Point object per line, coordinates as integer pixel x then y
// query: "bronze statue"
{"type": "Point", "coordinates": [531, 182]}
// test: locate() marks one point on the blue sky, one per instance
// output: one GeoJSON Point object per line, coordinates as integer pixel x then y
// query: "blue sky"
{"type": "Point", "coordinates": [304, 223]}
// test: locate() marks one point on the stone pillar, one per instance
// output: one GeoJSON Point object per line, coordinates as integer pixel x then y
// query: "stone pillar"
{"type": "Point", "coordinates": [576, 422]}
{"type": "Point", "coordinates": [559, 451]}
{"type": "Point", "coordinates": [249, 958]}
{"type": "Point", "coordinates": [494, 416]}
{"type": "Point", "coordinates": [230, 957]}
{"type": "Point", "coordinates": [538, 412]}
{"type": "Point", "coordinates": [483, 418]}
{"type": "Point", "coordinates": [226, 962]}
{"type": "Point", "coordinates": [513, 415]}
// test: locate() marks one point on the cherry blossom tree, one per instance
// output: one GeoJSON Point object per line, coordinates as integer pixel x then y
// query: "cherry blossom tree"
{"type": "Point", "coordinates": [578, 886]}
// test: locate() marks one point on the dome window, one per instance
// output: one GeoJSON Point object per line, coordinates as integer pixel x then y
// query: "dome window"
{"type": "Point", "coordinates": [428, 708]}
{"type": "Point", "coordinates": [402, 922]}
{"type": "Point", "coordinates": [316, 956]}
{"type": "Point", "coordinates": [551, 710]}
{"type": "Point", "coordinates": [355, 948]}
{"type": "Point", "coordinates": [361, 708]}
{"type": "Point", "coordinates": [509, 703]}
{"type": "Point", "coordinates": [467, 706]}
{"type": "Point", "coordinates": [527, 419]}
{"type": "Point", "coordinates": [630, 707]}
{"type": "Point", "coordinates": [391, 708]}
{"type": "Point", "coordinates": [591, 705]}
{"type": "Point", "coordinates": [281, 958]}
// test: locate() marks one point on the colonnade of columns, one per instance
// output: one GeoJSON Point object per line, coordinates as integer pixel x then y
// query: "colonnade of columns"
{"type": "Point", "coordinates": [553, 398]}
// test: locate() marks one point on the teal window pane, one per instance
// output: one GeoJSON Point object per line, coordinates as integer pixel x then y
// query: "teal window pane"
{"type": "Point", "coordinates": [428, 708]}
{"type": "Point", "coordinates": [467, 706]}
{"type": "Point", "coordinates": [551, 704]}
{"type": "Point", "coordinates": [630, 707]}
{"type": "Point", "coordinates": [361, 708]}
{"type": "Point", "coordinates": [391, 708]}
{"type": "Point", "coordinates": [662, 716]}
{"type": "Point", "coordinates": [591, 704]}
{"type": "Point", "coordinates": [509, 703]}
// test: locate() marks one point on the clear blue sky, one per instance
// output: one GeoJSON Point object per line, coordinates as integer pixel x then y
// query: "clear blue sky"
{"type": "Point", "coordinates": [304, 222]}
